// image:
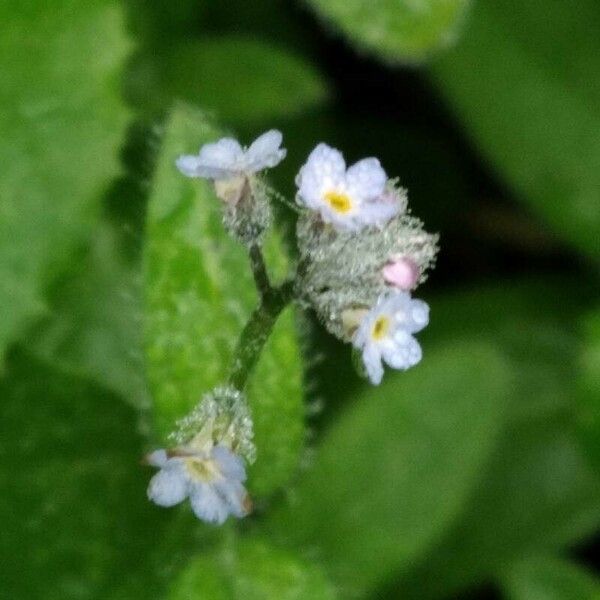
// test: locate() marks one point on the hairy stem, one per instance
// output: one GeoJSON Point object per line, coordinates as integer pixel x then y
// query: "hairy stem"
{"type": "Point", "coordinates": [259, 271]}
{"type": "Point", "coordinates": [258, 329]}
{"type": "Point", "coordinates": [257, 332]}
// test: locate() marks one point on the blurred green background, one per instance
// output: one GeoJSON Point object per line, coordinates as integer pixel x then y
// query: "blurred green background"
{"type": "Point", "coordinates": [474, 475]}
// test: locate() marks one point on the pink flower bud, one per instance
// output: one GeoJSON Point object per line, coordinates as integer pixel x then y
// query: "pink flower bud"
{"type": "Point", "coordinates": [402, 273]}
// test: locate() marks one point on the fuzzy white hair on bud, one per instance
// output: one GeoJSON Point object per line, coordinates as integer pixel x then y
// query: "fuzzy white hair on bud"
{"type": "Point", "coordinates": [346, 271]}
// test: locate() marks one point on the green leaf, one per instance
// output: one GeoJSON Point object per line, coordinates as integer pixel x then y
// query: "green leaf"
{"type": "Point", "coordinates": [394, 470]}
{"type": "Point", "coordinates": [175, 536]}
{"type": "Point", "coordinates": [242, 79]}
{"type": "Point", "coordinates": [265, 20]}
{"type": "Point", "coordinates": [537, 493]}
{"type": "Point", "coordinates": [254, 570]}
{"type": "Point", "coordinates": [532, 105]}
{"type": "Point", "coordinates": [533, 323]}
{"type": "Point", "coordinates": [406, 31]}
{"type": "Point", "coordinates": [588, 389]}
{"type": "Point", "coordinates": [163, 19]}
{"type": "Point", "coordinates": [75, 517]}
{"type": "Point", "coordinates": [95, 324]}
{"type": "Point", "coordinates": [545, 578]}
{"type": "Point", "coordinates": [199, 294]}
{"type": "Point", "coordinates": [203, 577]}
{"type": "Point", "coordinates": [61, 124]}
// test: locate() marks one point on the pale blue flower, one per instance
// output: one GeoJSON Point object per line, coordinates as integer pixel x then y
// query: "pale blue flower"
{"type": "Point", "coordinates": [349, 199]}
{"type": "Point", "coordinates": [385, 333]}
{"type": "Point", "coordinates": [226, 159]}
{"type": "Point", "coordinates": [211, 478]}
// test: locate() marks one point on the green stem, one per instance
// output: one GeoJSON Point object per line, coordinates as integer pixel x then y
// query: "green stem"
{"type": "Point", "coordinates": [259, 271]}
{"type": "Point", "coordinates": [258, 329]}
{"type": "Point", "coordinates": [257, 332]}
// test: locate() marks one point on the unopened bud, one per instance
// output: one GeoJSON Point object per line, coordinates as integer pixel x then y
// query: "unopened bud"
{"type": "Point", "coordinates": [403, 273]}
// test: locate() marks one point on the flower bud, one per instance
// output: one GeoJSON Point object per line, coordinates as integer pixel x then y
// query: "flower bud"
{"type": "Point", "coordinates": [402, 273]}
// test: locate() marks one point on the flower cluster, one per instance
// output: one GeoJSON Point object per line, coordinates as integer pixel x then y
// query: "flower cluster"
{"type": "Point", "coordinates": [361, 254]}
{"type": "Point", "coordinates": [361, 251]}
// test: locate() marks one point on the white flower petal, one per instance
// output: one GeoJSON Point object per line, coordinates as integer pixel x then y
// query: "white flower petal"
{"type": "Point", "coordinates": [401, 337]}
{"type": "Point", "coordinates": [366, 179]}
{"type": "Point", "coordinates": [372, 361]}
{"type": "Point", "coordinates": [158, 458]}
{"type": "Point", "coordinates": [411, 315]}
{"type": "Point", "coordinates": [219, 160]}
{"type": "Point", "coordinates": [225, 153]}
{"type": "Point", "coordinates": [327, 161]}
{"type": "Point", "coordinates": [230, 464]}
{"type": "Point", "coordinates": [207, 504]}
{"type": "Point", "coordinates": [324, 169]}
{"type": "Point", "coordinates": [235, 496]}
{"type": "Point", "coordinates": [189, 165]}
{"type": "Point", "coordinates": [268, 142]}
{"type": "Point", "coordinates": [378, 212]}
{"type": "Point", "coordinates": [398, 303]}
{"type": "Point", "coordinates": [397, 300]}
{"type": "Point", "coordinates": [404, 354]}
{"type": "Point", "coordinates": [419, 315]}
{"type": "Point", "coordinates": [217, 174]}
{"type": "Point", "coordinates": [265, 151]}
{"type": "Point", "coordinates": [362, 334]}
{"type": "Point", "coordinates": [169, 486]}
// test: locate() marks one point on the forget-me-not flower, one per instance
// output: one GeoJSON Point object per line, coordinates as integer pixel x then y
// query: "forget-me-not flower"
{"type": "Point", "coordinates": [385, 333]}
{"type": "Point", "coordinates": [226, 159]}
{"type": "Point", "coordinates": [349, 199]}
{"type": "Point", "coordinates": [211, 477]}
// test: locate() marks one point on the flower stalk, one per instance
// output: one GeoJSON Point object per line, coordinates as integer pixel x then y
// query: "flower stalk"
{"type": "Point", "coordinates": [259, 271]}
{"type": "Point", "coordinates": [258, 329]}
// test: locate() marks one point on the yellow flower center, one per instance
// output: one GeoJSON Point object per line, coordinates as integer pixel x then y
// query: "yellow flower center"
{"type": "Point", "coordinates": [201, 468]}
{"type": "Point", "coordinates": [380, 328]}
{"type": "Point", "coordinates": [338, 201]}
